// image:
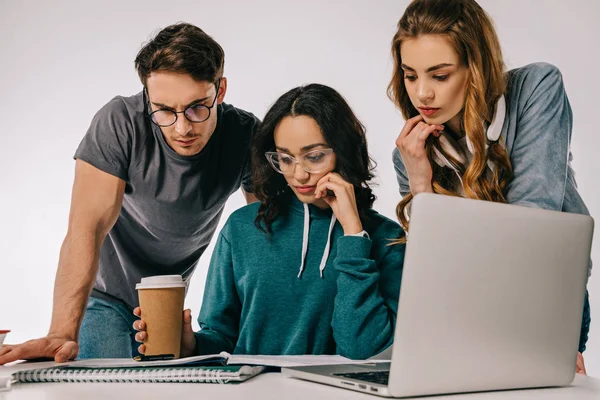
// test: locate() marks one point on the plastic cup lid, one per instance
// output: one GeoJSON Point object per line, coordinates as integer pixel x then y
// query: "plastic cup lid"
{"type": "Point", "coordinates": [161, 282]}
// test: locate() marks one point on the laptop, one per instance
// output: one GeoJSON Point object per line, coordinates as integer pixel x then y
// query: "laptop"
{"type": "Point", "coordinates": [491, 298]}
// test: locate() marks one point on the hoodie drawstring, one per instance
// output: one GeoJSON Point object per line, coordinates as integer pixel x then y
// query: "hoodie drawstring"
{"type": "Point", "coordinates": [326, 251]}
{"type": "Point", "coordinates": [304, 238]}
{"type": "Point", "coordinates": [305, 241]}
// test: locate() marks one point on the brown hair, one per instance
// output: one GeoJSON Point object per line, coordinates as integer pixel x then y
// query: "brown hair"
{"type": "Point", "coordinates": [181, 48]}
{"type": "Point", "coordinates": [471, 32]}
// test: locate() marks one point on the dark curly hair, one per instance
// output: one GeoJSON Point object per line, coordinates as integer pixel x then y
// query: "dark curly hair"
{"type": "Point", "coordinates": [342, 131]}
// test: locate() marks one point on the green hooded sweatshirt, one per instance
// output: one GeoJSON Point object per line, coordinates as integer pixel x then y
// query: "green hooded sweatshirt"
{"type": "Point", "coordinates": [307, 290]}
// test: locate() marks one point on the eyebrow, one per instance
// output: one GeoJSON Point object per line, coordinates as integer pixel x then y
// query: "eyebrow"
{"type": "Point", "coordinates": [193, 103]}
{"type": "Point", "coordinates": [305, 148]}
{"type": "Point", "coordinates": [430, 69]}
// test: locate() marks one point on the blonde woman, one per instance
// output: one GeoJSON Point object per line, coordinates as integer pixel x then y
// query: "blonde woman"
{"type": "Point", "coordinates": [473, 129]}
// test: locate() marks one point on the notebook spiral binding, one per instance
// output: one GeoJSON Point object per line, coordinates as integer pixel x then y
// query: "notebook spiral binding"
{"type": "Point", "coordinates": [130, 375]}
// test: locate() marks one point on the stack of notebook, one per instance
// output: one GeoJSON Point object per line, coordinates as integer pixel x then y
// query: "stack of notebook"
{"type": "Point", "coordinates": [216, 368]}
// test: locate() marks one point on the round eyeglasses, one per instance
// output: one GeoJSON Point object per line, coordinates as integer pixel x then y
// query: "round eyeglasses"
{"type": "Point", "coordinates": [313, 162]}
{"type": "Point", "coordinates": [194, 113]}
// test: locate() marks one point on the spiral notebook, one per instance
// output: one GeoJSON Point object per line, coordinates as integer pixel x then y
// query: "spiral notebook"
{"type": "Point", "coordinates": [173, 374]}
{"type": "Point", "coordinates": [214, 368]}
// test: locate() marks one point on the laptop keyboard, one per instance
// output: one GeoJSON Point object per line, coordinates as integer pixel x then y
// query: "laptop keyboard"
{"type": "Point", "coordinates": [380, 377]}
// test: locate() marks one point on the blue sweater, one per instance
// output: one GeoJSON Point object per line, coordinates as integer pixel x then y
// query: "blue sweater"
{"type": "Point", "coordinates": [255, 302]}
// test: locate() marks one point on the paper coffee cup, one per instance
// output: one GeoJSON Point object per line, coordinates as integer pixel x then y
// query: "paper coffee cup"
{"type": "Point", "coordinates": [161, 300]}
{"type": "Point", "coordinates": [2, 336]}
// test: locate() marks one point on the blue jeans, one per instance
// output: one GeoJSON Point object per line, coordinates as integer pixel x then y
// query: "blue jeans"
{"type": "Point", "coordinates": [585, 323]}
{"type": "Point", "coordinates": [107, 331]}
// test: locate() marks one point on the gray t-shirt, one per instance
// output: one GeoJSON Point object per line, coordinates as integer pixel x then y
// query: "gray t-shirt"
{"type": "Point", "coordinates": [172, 203]}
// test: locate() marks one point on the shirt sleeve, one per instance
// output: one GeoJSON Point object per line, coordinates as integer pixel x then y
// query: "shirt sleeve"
{"type": "Point", "coordinates": [401, 175]}
{"type": "Point", "coordinates": [365, 307]}
{"type": "Point", "coordinates": [247, 173]}
{"type": "Point", "coordinates": [540, 153]}
{"type": "Point", "coordinates": [107, 143]}
{"type": "Point", "coordinates": [219, 317]}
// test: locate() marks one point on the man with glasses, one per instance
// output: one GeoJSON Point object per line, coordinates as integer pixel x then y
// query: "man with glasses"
{"type": "Point", "coordinates": [152, 176]}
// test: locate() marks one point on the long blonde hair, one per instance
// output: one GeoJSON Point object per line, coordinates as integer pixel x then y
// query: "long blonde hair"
{"type": "Point", "coordinates": [472, 34]}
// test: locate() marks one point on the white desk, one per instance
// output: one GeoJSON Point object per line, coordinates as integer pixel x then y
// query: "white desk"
{"type": "Point", "coordinates": [264, 387]}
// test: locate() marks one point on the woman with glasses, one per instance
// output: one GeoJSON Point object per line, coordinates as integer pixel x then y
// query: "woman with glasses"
{"type": "Point", "coordinates": [474, 129]}
{"type": "Point", "coordinates": [310, 269]}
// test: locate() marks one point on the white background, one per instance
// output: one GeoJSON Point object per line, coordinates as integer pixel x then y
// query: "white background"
{"type": "Point", "coordinates": [61, 61]}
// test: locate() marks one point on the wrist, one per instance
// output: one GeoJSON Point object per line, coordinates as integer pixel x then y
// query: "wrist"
{"type": "Point", "coordinates": [62, 334]}
{"type": "Point", "coordinates": [353, 229]}
{"type": "Point", "coordinates": [363, 234]}
{"type": "Point", "coordinates": [59, 328]}
{"type": "Point", "coordinates": [421, 188]}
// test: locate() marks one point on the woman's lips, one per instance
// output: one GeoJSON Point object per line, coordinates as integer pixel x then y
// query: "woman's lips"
{"type": "Point", "coordinates": [305, 189]}
{"type": "Point", "coordinates": [429, 111]}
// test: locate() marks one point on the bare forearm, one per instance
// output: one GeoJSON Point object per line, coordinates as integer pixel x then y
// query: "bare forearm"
{"type": "Point", "coordinates": [77, 268]}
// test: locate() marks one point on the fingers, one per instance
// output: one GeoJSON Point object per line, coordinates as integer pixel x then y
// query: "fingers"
{"type": "Point", "coordinates": [141, 336]}
{"type": "Point", "coordinates": [8, 354]}
{"type": "Point", "coordinates": [580, 367]}
{"type": "Point", "coordinates": [139, 325]}
{"type": "Point", "coordinates": [321, 190]}
{"type": "Point", "coordinates": [337, 178]}
{"type": "Point", "coordinates": [24, 351]}
{"type": "Point", "coordinates": [187, 321]}
{"type": "Point", "coordinates": [58, 348]}
{"type": "Point", "coordinates": [426, 131]}
{"type": "Point", "coordinates": [137, 312]}
{"type": "Point", "coordinates": [31, 349]}
{"type": "Point", "coordinates": [67, 352]}
{"type": "Point", "coordinates": [6, 348]}
{"type": "Point", "coordinates": [410, 125]}
{"type": "Point", "coordinates": [335, 183]}
{"type": "Point", "coordinates": [413, 145]}
{"type": "Point", "coordinates": [142, 349]}
{"type": "Point", "coordinates": [413, 127]}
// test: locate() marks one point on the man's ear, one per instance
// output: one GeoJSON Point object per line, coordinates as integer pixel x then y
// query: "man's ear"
{"type": "Point", "coordinates": [222, 90]}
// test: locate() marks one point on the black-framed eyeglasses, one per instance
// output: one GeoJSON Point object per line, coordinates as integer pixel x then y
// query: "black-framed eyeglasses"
{"type": "Point", "coordinates": [313, 162]}
{"type": "Point", "coordinates": [195, 113]}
